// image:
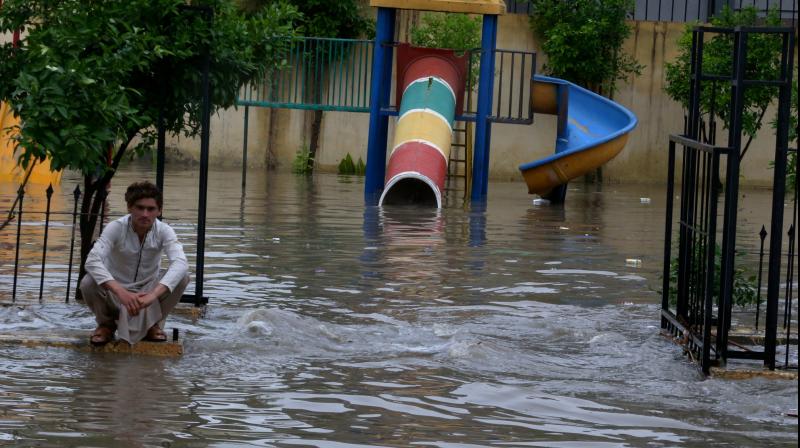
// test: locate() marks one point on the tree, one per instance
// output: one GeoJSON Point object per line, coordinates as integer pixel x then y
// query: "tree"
{"type": "Point", "coordinates": [583, 41]}
{"type": "Point", "coordinates": [455, 31]}
{"type": "Point", "coordinates": [448, 30]}
{"type": "Point", "coordinates": [343, 19]}
{"type": "Point", "coordinates": [763, 62]}
{"type": "Point", "coordinates": [89, 79]}
{"type": "Point", "coordinates": [324, 18]}
{"type": "Point", "coordinates": [791, 159]}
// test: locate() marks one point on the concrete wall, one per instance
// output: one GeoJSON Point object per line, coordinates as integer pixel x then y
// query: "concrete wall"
{"type": "Point", "coordinates": [643, 159]}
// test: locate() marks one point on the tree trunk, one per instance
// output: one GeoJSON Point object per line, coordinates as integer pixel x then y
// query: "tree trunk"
{"type": "Point", "coordinates": [313, 144]}
{"type": "Point", "coordinates": [94, 196]}
{"type": "Point", "coordinates": [272, 136]}
{"type": "Point", "coordinates": [316, 91]}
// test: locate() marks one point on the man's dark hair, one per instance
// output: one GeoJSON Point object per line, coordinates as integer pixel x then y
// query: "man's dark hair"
{"type": "Point", "coordinates": [143, 190]}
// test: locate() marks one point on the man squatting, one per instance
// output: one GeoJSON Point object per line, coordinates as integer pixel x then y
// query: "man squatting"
{"type": "Point", "coordinates": [123, 288]}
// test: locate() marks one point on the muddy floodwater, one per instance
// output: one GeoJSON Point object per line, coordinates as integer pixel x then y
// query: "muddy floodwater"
{"type": "Point", "coordinates": [332, 324]}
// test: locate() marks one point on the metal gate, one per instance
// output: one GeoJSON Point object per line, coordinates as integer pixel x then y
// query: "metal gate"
{"type": "Point", "coordinates": [698, 283]}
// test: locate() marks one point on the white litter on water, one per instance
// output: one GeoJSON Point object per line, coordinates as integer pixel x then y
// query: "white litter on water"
{"type": "Point", "coordinates": [540, 201]}
{"type": "Point", "coordinates": [633, 262]}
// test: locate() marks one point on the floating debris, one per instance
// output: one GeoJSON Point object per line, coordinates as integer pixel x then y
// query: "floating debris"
{"type": "Point", "coordinates": [633, 262]}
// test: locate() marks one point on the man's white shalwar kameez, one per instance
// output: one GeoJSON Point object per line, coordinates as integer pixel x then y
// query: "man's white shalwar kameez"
{"type": "Point", "coordinates": [119, 255]}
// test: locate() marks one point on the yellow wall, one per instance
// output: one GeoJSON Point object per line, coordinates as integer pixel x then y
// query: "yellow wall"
{"type": "Point", "coordinates": [643, 159]}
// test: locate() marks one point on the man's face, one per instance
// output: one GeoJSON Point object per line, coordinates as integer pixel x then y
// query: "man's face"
{"type": "Point", "coordinates": [143, 213]}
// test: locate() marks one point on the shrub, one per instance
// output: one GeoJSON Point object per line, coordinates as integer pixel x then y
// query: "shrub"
{"type": "Point", "coordinates": [303, 162]}
{"type": "Point", "coordinates": [583, 41]}
{"type": "Point", "coordinates": [346, 166]}
{"type": "Point", "coordinates": [454, 31]}
{"type": "Point", "coordinates": [745, 289]}
{"type": "Point", "coordinates": [763, 55]}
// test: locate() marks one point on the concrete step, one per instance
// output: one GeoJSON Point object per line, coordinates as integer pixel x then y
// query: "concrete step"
{"type": "Point", "coordinates": [79, 340]}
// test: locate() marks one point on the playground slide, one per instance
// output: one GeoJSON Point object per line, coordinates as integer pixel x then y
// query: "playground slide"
{"type": "Point", "coordinates": [430, 81]}
{"type": "Point", "coordinates": [591, 131]}
{"type": "Point", "coordinates": [37, 173]}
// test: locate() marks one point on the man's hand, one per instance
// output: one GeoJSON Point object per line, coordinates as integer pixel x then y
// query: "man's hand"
{"type": "Point", "coordinates": [126, 298]}
{"type": "Point", "coordinates": [129, 301]}
{"type": "Point", "coordinates": [146, 298]}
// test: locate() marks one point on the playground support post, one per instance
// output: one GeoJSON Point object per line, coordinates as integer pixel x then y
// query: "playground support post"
{"type": "Point", "coordinates": [483, 129]}
{"type": "Point", "coordinates": [379, 97]}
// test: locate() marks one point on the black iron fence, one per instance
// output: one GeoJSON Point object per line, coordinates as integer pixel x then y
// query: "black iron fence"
{"type": "Point", "coordinates": [703, 283]}
{"type": "Point", "coordinates": [687, 10]}
{"type": "Point", "coordinates": [689, 280]}
{"type": "Point", "coordinates": [38, 256]}
{"type": "Point", "coordinates": [692, 305]}
{"type": "Point", "coordinates": [514, 72]}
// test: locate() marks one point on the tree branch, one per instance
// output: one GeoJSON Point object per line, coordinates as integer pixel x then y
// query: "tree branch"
{"type": "Point", "coordinates": [106, 178]}
{"type": "Point", "coordinates": [750, 137]}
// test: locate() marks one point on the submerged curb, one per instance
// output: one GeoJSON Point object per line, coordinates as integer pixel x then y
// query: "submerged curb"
{"type": "Point", "coordinates": [79, 340]}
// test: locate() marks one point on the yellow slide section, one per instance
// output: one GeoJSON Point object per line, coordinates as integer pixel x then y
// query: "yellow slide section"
{"type": "Point", "coordinates": [37, 173]}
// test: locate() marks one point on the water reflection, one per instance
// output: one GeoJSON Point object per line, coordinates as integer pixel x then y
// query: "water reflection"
{"type": "Point", "coordinates": [130, 400]}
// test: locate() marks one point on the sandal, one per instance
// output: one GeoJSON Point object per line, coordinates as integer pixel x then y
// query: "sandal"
{"type": "Point", "coordinates": [102, 335]}
{"type": "Point", "coordinates": [155, 334]}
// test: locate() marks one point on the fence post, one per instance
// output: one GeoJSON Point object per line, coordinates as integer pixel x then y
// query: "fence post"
{"type": "Point", "coordinates": [711, 236]}
{"type": "Point", "coordinates": [77, 195]}
{"type": "Point", "coordinates": [665, 287]}
{"type": "Point", "coordinates": [763, 235]}
{"type": "Point", "coordinates": [725, 301]}
{"type": "Point", "coordinates": [778, 193]}
{"type": "Point", "coordinates": [787, 316]}
{"type": "Point", "coordinates": [44, 245]}
{"type": "Point", "coordinates": [20, 198]}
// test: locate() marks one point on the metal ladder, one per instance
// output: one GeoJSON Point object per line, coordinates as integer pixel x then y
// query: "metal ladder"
{"type": "Point", "coordinates": [459, 165]}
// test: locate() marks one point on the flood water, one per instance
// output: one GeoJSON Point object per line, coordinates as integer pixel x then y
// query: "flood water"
{"type": "Point", "coordinates": [332, 324]}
